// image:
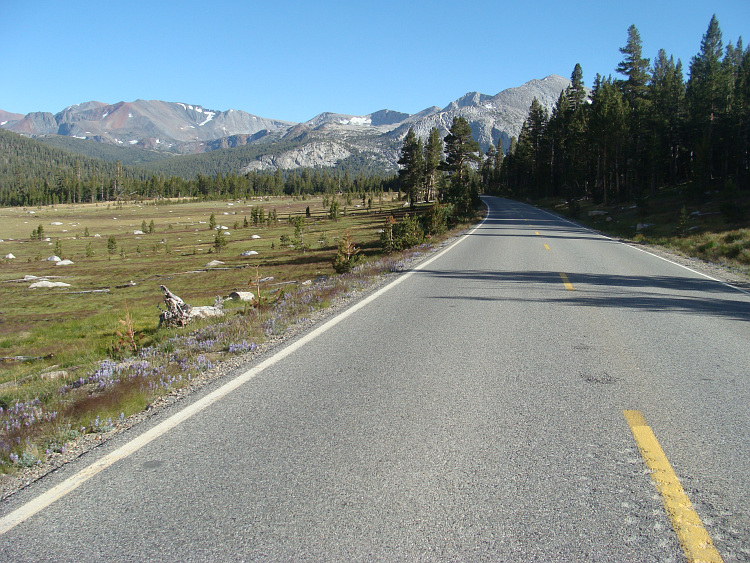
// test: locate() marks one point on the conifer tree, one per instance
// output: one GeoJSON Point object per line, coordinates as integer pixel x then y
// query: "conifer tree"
{"type": "Point", "coordinates": [607, 133]}
{"type": "Point", "coordinates": [634, 88]}
{"type": "Point", "coordinates": [667, 95]}
{"type": "Point", "coordinates": [635, 67]}
{"type": "Point", "coordinates": [708, 90]}
{"type": "Point", "coordinates": [433, 156]}
{"type": "Point", "coordinates": [461, 150]}
{"type": "Point", "coordinates": [412, 171]}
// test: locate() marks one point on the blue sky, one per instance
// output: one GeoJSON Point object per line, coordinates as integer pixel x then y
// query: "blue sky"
{"type": "Point", "coordinates": [292, 60]}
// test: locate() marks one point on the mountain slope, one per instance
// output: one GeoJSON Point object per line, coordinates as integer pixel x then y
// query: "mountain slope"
{"type": "Point", "coordinates": [148, 124]}
{"type": "Point", "coordinates": [169, 128]}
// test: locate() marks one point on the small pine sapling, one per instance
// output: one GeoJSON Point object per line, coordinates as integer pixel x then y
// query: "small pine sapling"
{"type": "Point", "coordinates": [347, 255]}
{"type": "Point", "coordinates": [128, 338]}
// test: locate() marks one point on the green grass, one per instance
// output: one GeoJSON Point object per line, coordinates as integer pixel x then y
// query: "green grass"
{"type": "Point", "coordinates": [71, 333]}
{"type": "Point", "coordinates": [39, 322]}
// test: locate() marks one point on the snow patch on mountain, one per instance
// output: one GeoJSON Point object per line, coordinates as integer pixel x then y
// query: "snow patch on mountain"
{"type": "Point", "coordinates": [210, 115]}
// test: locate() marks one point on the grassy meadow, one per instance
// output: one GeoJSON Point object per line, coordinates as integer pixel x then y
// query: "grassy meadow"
{"type": "Point", "coordinates": [75, 358]}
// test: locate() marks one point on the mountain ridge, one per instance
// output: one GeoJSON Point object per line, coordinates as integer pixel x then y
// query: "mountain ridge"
{"type": "Point", "coordinates": [175, 128]}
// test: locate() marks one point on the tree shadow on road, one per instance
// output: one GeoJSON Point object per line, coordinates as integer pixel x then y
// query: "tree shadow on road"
{"type": "Point", "coordinates": [647, 293]}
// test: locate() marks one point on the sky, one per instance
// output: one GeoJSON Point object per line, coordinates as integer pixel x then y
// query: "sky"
{"type": "Point", "coordinates": [292, 60]}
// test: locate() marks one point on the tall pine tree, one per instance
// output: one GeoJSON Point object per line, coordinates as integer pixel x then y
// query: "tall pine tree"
{"type": "Point", "coordinates": [461, 150]}
{"type": "Point", "coordinates": [411, 174]}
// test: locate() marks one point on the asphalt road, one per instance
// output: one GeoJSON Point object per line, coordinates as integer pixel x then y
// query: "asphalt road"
{"type": "Point", "coordinates": [473, 411]}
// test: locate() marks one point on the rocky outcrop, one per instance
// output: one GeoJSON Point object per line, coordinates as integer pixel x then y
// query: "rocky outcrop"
{"type": "Point", "coordinates": [318, 153]}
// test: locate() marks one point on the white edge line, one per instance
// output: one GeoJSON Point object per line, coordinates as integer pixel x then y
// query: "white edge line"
{"type": "Point", "coordinates": [42, 501]}
{"type": "Point", "coordinates": [629, 245]}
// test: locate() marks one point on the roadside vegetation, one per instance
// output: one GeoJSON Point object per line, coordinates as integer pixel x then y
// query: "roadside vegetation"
{"type": "Point", "coordinates": [670, 219]}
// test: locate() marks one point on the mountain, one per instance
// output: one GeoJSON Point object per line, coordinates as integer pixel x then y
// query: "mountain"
{"type": "Point", "coordinates": [164, 129]}
{"type": "Point", "coordinates": [9, 118]}
{"type": "Point", "coordinates": [170, 126]}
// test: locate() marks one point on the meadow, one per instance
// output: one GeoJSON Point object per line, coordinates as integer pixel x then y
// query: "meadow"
{"type": "Point", "coordinates": [75, 358]}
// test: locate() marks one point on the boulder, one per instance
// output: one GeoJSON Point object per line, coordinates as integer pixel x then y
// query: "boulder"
{"type": "Point", "coordinates": [64, 263]}
{"type": "Point", "coordinates": [47, 283]}
{"type": "Point", "coordinates": [55, 374]}
{"type": "Point", "coordinates": [53, 258]}
{"type": "Point", "coordinates": [249, 253]}
{"type": "Point", "coordinates": [242, 296]}
{"type": "Point", "coordinates": [205, 311]}
{"type": "Point", "coordinates": [9, 256]}
{"type": "Point", "coordinates": [255, 237]}
{"type": "Point", "coordinates": [214, 264]}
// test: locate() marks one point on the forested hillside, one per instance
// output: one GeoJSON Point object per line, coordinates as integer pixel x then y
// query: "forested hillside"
{"type": "Point", "coordinates": [128, 156]}
{"type": "Point", "coordinates": [32, 173]}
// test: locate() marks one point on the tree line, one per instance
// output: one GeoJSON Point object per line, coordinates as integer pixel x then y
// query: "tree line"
{"type": "Point", "coordinates": [34, 174]}
{"type": "Point", "coordinates": [628, 136]}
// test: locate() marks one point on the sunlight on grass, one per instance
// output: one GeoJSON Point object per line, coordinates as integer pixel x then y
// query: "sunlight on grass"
{"type": "Point", "coordinates": [67, 369]}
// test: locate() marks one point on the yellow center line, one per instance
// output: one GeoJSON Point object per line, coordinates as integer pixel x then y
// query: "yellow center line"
{"type": "Point", "coordinates": [546, 246]}
{"type": "Point", "coordinates": [693, 537]}
{"type": "Point", "coordinates": [536, 232]}
{"type": "Point", "coordinates": [566, 282]}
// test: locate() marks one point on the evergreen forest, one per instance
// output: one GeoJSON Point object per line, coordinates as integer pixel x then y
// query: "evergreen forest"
{"type": "Point", "coordinates": [33, 173]}
{"type": "Point", "coordinates": [645, 129]}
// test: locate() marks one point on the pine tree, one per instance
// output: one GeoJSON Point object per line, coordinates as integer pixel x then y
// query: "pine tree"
{"type": "Point", "coordinates": [537, 129]}
{"type": "Point", "coordinates": [635, 67]}
{"type": "Point", "coordinates": [433, 156]}
{"type": "Point", "coordinates": [706, 95]}
{"type": "Point", "coordinates": [576, 92]}
{"type": "Point", "coordinates": [607, 137]}
{"type": "Point", "coordinates": [635, 90]}
{"type": "Point", "coordinates": [667, 95]}
{"type": "Point", "coordinates": [412, 171]}
{"type": "Point", "coordinates": [488, 168]}
{"type": "Point", "coordinates": [461, 150]}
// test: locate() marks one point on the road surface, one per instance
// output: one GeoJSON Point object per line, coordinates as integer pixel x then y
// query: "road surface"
{"type": "Point", "coordinates": [475, 410]}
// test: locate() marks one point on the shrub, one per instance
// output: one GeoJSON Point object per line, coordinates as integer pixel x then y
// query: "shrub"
{"type": "Point", "coordinates": [435, 221]}
{"type": "Point", "coordinates": [347, 255]}
{"type": "Point", "coordinates": [219, 242]}
{"type": "Point", "coordinates": [407, 233]}
{"type": "Point", "coordinates": [333, 212]}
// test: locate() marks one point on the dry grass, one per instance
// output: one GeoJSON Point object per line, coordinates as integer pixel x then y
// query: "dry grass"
{"type": "Point", "coordinates": [96, 355]}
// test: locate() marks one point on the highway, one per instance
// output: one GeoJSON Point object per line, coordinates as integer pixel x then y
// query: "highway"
{"type": "Point", "coordinates": [486, 407]}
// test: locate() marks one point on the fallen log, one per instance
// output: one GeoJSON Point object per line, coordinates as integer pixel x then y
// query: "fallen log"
{"type": "Point", "coordinates": [25, 358]}
{"type": "Point", "coordinates": [179, 313]}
